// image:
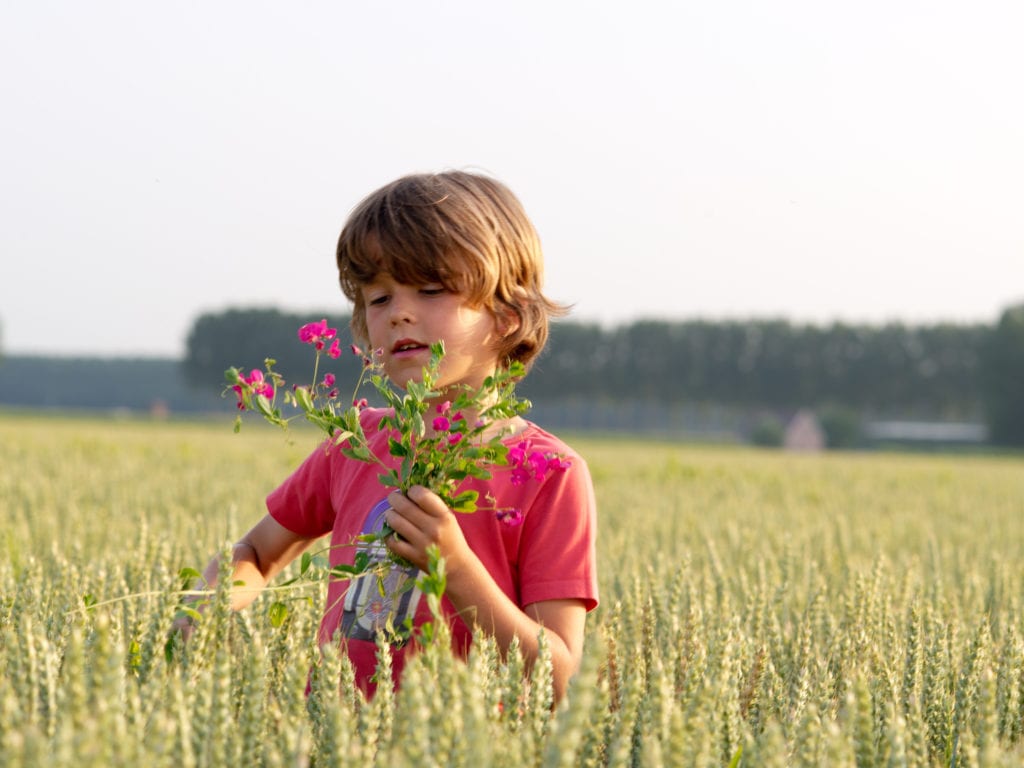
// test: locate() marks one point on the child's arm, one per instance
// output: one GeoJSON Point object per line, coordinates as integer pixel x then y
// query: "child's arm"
{"type": "Point", "coordinates": [422, 519]}
{"type": "Point", "coordinates": [257, 557]}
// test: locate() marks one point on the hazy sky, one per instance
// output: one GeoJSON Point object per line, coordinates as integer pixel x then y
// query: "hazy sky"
{"type": "Point", "coordinates": [815, 160]}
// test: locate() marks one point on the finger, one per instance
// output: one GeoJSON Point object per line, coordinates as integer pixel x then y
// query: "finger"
{"type": "Point", "coordinates": [401, 525]}
{"type": "Point", "coordinates": [428, 501]}
{"type": "Point", "coordinates": [405, 508]}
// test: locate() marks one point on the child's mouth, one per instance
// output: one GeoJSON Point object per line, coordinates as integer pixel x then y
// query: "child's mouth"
{"type": "Point", "coordinates": [405, 347]}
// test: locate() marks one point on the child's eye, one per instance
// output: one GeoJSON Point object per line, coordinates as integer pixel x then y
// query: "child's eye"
{"type": "Point", "coordinates": [432, 290]}
{"type": "Point", "coordinates": [376, 301]}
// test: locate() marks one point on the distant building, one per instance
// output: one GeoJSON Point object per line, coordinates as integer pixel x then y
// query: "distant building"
{"type": "Point", "coordinates": [927, 432]}
{"type": "Point", "coordinates": [803, 433]}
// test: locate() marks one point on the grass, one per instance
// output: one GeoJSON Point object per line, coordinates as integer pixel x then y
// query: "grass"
{"type": "Point", "coordinates": [758, 608]}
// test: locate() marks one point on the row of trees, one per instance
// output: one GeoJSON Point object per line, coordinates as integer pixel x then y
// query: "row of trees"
{"type": "Point", "coordinates": [942, 371]}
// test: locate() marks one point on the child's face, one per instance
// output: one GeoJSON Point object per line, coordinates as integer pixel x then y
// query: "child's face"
{"type": "Point", "coordinates": [404, 320]}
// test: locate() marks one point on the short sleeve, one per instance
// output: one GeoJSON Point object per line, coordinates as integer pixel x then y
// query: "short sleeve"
{"type": "Point", "coordinates": [302, 503]}
{"type": "Point", "coordinates": [557, 551]}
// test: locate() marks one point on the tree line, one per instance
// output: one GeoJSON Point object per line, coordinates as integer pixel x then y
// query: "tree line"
{"type": "Point", "coordinates": [941, 371]}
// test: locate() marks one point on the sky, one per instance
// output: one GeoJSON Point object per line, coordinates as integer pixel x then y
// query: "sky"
{"type": "Point", "coordinates": [857, 162]}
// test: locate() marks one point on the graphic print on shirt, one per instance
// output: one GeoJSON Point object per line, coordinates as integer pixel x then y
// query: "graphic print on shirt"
{"type": "Point", "coordinates": [374, 604]}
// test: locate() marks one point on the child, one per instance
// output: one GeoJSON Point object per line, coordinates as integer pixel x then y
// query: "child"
{"type": "Point", "coordinates": [449, 257]}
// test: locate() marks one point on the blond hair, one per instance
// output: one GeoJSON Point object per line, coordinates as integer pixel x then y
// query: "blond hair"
{"type": "Point", "coordinates": [467, 232]}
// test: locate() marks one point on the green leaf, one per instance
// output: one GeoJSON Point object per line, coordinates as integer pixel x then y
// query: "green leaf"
{"type": "Point", "coordinates": [305, 562]}
{"type": "Point", "coordinates": [277, 613]}
{"type": "Point", "coordinates": [342, 436]}
{"type": "Point", "coordinates": [302, 397]}
{"type": "Point", "coordinates": [395, 448]}
{"type": "Point", "coordinates": [191, 613]}
{"type": "Point", "coordinates": [465, 501]}
{"type": "Point", "coordinates": [357, 452]}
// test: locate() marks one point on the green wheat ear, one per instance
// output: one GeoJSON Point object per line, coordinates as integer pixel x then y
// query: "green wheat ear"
{"type": "Point", "coordinates": [809, 609]}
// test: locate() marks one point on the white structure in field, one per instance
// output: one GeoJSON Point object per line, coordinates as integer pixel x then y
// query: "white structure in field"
{"type": "Point", "coordinates": [803, 433]}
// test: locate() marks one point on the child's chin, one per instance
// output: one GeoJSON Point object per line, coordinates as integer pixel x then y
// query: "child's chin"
{"type": "Point", "coordinates": [402, 380]}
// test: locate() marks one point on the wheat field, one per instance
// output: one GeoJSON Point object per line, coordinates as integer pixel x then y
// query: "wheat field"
{"type": "Point", "coordinates": [757, 609]}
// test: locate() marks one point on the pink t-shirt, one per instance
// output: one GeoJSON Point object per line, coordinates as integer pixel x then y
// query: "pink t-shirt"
{"type": "Point", "coordinates": [548, 556]}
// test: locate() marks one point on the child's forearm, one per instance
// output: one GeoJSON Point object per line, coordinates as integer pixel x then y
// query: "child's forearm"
{"type": "Point", "coordinates": [479, 600]}
{"type": "Point", "coordinates": [245, 569]}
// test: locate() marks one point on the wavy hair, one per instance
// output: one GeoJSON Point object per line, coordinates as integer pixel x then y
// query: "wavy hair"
{"type": "Point", "coordinates": [463, 230]}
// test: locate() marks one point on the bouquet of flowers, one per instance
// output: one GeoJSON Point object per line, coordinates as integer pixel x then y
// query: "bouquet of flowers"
{"type": "Point", "coordinates": [441, 458]}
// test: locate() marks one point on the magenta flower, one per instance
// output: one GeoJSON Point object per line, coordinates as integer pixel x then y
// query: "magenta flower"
{"type": "Point", "coordinates": [335, 350]}
{"type": "Point", "coordinates": [517, 455]}
{"type": "Point", "coordinates": [362, 403]}
{"type": "Point", "coordinates": [253, 384]}
{"type": "Point", "coordinates": [355, 350]}
{"type": "Point", "coordinates": [518, 476]}
{"type": "Point", "coordinates": [444, 407]}
{"type": "Point", "coordinates": [258, 384]}
{"type": "Point", "coordinates": [510, 517]}
{"type": "Point", "coordinates": [454, 438]}
{"type": "Point", "coordinates": [441, 424]}
{"type": "Point", "coordinates": [527, 463]}
{"type": "Point", "coordinates": [557, 463]}
{"type": "Point", "coordinates": [328, 380]}
{"type": "Point", "coordinates": [317, 333]}
{"type": "Point", "coordinates": [538, 464]}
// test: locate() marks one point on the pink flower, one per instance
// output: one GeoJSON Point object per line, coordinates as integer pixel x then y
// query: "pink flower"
{"type": "Point", "coordinates": [538, 464]}
{"type": "Point", "coordinates": [259, 386]}
{"type": "Point", "coordinates": [253, 384]}
{"type": "Point", "coordinates": [328, 380]}
{"type": "Point", "coordinates": [454, 438]}
{"type": "Point", "coordinates": [360, 403]}
{"type": "Point", "coordinates": [355, 350]}
{"type": "Point", "coordinates": [557, 463]}
{"type": "Point", "coordinates": [519, 476]}
{"type": "Point", "coordinates": [511, 517]}
{"type": "Point", "coordinates": [441, 424]}
{"type": "Point", "coordinates": [444, 407]}
{"type": "Point", "coordinates": [335, 350]}
{"type": "Point", "coordinates": [527, 463]}
{"type": "Point", "coordinates": [518, 454]}
{"type": "Point", "coordinates": [317, 333]}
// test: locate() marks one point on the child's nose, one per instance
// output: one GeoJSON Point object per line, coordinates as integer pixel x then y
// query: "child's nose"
{"type": "Point", "coordinates": [401, 310]}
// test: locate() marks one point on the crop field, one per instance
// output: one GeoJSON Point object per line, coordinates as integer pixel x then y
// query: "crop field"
{"type": "Point", "coordinates": [757, 609]}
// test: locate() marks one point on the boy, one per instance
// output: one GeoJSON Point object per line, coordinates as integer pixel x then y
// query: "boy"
{"type": "Point", "coordinates": [448, 257]}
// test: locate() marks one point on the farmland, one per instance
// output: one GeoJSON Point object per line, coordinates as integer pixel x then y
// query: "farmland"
{"type": "Point", "coordinates": [757, 608]}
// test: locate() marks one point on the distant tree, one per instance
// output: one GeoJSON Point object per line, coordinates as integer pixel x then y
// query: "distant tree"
{"type": "Point", "coordinates": [244, 338]}
{"type": "Point", "coordinates": [1003, 378]}
{"type": "Point", "coordinates": [841, 426]}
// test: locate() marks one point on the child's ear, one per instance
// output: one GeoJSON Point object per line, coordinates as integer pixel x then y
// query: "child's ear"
{"type": "Point", "coordinates": [507, 321]}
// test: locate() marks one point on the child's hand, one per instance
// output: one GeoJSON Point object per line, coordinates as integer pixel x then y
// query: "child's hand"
{"type": "Point", "coordinates": [183, 625]}
{"type": "Point", "coordinates": [421, 519]}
